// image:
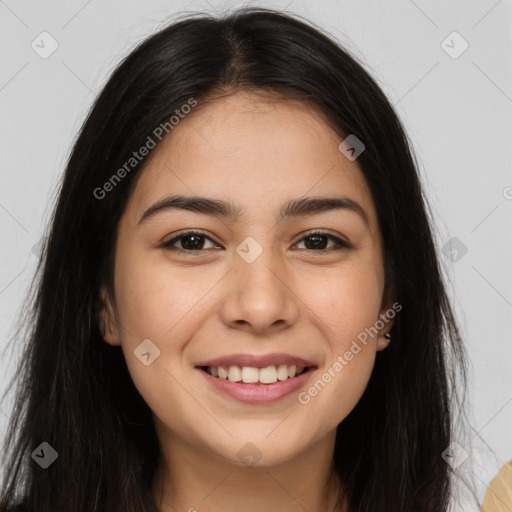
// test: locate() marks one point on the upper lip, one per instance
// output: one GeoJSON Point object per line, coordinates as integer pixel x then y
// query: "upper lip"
{"type": "Point", "coordinates": [256, 361]}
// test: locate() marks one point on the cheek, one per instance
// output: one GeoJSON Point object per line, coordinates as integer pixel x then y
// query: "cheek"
{"type": "Point", "coordinates": [165, 307]}
{"type": "Point", "coordinates": [346, 306]}
{"type": "Point", "coordinates": [158, 306]}
{"type": "Point", "coordinates": [152, 300]}
{"type": "Point", "coordinates": [346, 302]}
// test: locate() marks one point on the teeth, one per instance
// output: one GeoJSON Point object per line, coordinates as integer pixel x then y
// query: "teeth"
{"type": "Point", "coordinates": [235, 374]}
{"type": "Point", "coordinates": [252, 375]}
{"type": "Point", "coordinates": [282, 372]}
{"type": "Point", "coordinates": [223, 373]}
{"type": "Point", "coordinates": [268, 375]}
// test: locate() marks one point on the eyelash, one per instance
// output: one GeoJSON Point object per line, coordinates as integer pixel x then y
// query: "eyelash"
{"type": "Point", "coordinates": [341, 244]}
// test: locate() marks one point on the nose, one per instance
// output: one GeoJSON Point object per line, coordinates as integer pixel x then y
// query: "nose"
{"type": "Point", "coordinates": [259, 296]}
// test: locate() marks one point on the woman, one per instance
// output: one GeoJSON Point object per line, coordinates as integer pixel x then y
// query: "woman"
{"type": "Point", "coordinates": [240, 303]}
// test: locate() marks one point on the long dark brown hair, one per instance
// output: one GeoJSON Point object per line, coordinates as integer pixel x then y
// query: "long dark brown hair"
{"type": "Point", "coordinates": [74, 392]}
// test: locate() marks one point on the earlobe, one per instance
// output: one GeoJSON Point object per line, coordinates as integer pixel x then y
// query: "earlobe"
{"type": "Point", "coordinates": [107, 319]}
{"type": "Point", "coordinates": [387, 320]}
{"type": "Point", "coordinates": [389, 308]}
{"type": "Point", "coordinates": [383, 341]}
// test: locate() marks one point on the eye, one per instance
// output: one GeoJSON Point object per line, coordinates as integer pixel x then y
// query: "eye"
{"type": "Point", "coordinates": [194, 241]}
{"type": "Point", "coordinates": [191, 241]}
{"type": "Point", "coordinates": [316, 241]}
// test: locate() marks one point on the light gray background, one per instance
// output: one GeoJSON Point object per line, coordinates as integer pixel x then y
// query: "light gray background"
{"type": "Point", "coordinates": [456, 110]}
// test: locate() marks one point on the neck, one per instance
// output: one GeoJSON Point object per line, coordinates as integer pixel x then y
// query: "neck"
{"type": "Point", "coordinates": [191, 479]}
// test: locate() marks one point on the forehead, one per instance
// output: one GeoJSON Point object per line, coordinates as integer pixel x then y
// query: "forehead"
{"type": "Point", "coordinates": [255, 151]}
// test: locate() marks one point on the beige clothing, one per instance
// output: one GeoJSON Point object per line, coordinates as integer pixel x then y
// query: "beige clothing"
{"type": "Point", "coordinates": [498, 497]}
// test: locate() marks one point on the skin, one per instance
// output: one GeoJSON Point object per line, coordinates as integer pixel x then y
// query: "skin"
{"type": "Point", "coordinates": [258, 153]}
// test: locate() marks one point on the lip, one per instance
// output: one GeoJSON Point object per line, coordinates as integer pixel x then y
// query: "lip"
{"type": "Point", "coordinates": [256, 361]}
{"type": "Point", "coordinates": [258, 393]}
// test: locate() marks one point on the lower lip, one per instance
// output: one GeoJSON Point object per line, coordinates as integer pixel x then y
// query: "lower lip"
{"type": "Point", "coordinates": [258, 393]}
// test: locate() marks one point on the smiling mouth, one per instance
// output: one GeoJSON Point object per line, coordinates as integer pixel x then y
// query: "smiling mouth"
{"type": "Point", "coordinates": [256, 376]}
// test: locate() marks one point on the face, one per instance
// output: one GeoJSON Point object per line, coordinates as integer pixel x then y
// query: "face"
{"type": "Point", "coordinates": [259, 292]}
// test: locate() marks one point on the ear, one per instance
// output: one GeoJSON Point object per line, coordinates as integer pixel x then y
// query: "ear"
{"type": "Point", "coordinates": [386, 320]}
{"type": "Point", "coordinates": [108, 324]}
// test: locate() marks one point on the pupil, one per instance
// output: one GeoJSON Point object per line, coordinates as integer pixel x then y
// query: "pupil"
{"type": "Point", "coordinates": [317, 238]}
{"type": "Point", "coordinates": [191, 246]}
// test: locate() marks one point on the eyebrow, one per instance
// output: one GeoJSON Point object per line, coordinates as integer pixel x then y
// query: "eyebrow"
{"type": "Point", "coordinates": [300, 207]}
